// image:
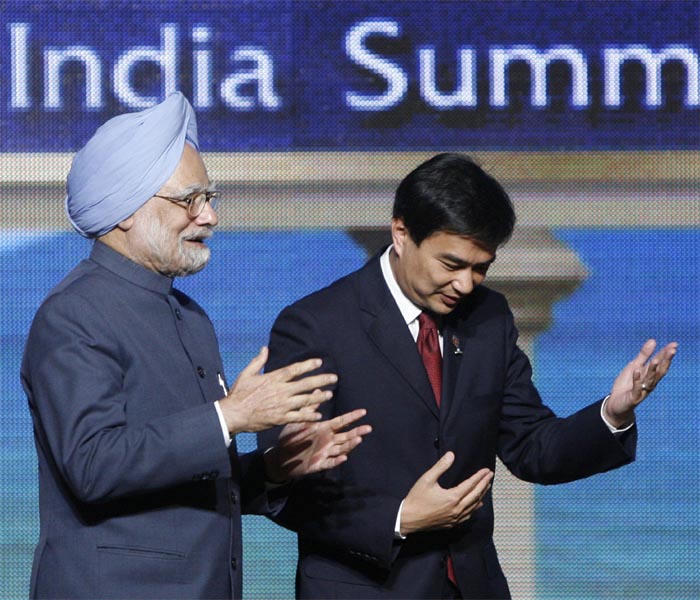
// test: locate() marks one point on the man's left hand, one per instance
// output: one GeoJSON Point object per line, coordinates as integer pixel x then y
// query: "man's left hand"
{"type": "Point", "coordinates": [636, 381]}
{"type": "Point", "coordinates": [305, 448]}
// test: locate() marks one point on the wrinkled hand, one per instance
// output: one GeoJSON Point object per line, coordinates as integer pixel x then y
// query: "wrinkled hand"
{"type": "Point", "coordinates": [259, 401]}
{"type": "Point", "coordinates": [430, 506]}
{"type": "Point", "coordinates": [636, 381]}
{"type": "Point", "coordinates": [305, 448]}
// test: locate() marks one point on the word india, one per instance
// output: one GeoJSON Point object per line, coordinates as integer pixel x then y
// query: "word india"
{"type": "Point", "coordinates": [251, 81]}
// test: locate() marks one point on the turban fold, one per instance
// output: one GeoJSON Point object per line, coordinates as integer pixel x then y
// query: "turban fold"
{"type": "Point", "coordinates": [128, 160]}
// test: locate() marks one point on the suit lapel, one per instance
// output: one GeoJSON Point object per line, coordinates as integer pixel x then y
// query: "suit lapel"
{"type": "Point", "coordinates": [460, 355]}
{"type": "Point", "coordinates": [452, 360]}
{"type": "Point", "coordinates": [388, 331]}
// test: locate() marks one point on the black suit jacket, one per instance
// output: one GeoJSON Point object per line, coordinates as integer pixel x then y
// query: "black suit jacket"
{"type": "Point", "coordinates": [345, 517]}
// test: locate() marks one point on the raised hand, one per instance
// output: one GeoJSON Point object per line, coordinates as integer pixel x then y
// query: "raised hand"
{"type": "Point", "coordinates": [430, 506]}
{"type": "Point", "coordinates": [636, 381]}
{"type": "Point", "coordinates": [304, 448]}
{"type": "Point", "coordinates": [259, 401]}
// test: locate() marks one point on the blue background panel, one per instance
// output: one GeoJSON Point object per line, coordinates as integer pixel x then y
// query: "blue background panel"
{"type": "Point", "coordinates": [632, 533]}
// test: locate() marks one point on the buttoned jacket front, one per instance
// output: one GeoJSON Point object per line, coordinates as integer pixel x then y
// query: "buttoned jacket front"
{"type": "Point", "coordinates": [139, 495]}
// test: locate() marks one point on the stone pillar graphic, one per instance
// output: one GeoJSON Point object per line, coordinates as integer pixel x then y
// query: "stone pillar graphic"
{"type": "Point", "coordinates": [534, 271]}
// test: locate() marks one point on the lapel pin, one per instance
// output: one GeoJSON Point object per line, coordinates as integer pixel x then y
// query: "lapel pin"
{"type": "Point", "coordinates": [456, 344]}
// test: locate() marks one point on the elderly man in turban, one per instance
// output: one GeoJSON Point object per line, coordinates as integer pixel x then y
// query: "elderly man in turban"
{"type": "Point", "coordinates": [141, 488]}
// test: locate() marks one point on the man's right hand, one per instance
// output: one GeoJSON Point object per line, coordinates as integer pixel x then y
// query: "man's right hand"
{"type": "Point", "coordinates": [430, 506]}
{"type": "Point", "coordinates": [259, 401]}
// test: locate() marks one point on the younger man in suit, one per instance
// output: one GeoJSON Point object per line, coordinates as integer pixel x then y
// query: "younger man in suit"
{"type": "Point", "coordinates": [432, 354]}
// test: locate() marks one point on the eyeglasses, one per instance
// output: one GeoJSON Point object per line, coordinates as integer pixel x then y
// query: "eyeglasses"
{"type": "Point", "coordinates": [194, 203]}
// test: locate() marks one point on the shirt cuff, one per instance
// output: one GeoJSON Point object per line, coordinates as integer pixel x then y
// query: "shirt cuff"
{"type": "Point", "coordinates": [397, 524]}
{"type": "Point", "coordinates": [610, 427]}
{"type": "Point", "coordinates": [222, 422]}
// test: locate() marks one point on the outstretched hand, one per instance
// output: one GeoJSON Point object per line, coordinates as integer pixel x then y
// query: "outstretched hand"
{"type": "Point", "coordinates": [259, 401]}
{"type": "Point", "coordinates": [430, 506]}
{"type": "Point", "coordinates": [305, 448]}
{"type": "Point", "coordinates": [636, 381]}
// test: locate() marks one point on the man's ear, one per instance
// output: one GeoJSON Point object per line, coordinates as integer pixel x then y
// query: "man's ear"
{"type": "Point", "coordinates": [399, 235]}
{"type": "Point", "coordinates": [127, 223]}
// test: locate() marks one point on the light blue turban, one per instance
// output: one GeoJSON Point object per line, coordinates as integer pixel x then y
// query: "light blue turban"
{"type": "Point", "coordinates": [128, 160]}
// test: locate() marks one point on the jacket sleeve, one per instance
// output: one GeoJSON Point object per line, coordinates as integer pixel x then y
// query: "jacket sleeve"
{"type": "Point", "coordinates": [73, 375]}
{"type": "Point", "coordinates": [330, 508]}
{"type": "Point", "coordinates": [540, 447]}
{"type": "Point", "coordinates": [258, 497]}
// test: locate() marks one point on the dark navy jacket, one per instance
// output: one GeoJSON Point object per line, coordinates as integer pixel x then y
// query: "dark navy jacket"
{"type": "Point", "coordinates": [139, 496]}
{"type": "Point", "coordinates": [345, 517]}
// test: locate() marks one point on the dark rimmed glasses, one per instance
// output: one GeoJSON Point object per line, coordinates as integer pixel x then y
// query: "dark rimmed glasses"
{"type": "Point", "coordinates": [194, 203]}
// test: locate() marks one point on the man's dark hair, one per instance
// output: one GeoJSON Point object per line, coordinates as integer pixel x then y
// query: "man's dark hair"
{"type": "Point", "coordinates": [451, 193]}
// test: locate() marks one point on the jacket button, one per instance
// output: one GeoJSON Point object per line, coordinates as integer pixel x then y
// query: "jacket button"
{"type": "Point", "coordinates": [178, 314]}
{"type": "Point", "coordinates": [234, 563]}
{"type": "Point", "coordinates": [201, 372]}
{"type": "Point", "coordinates": [234, 499]}
{"type": "Point", "coordinates": [436, 442]}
